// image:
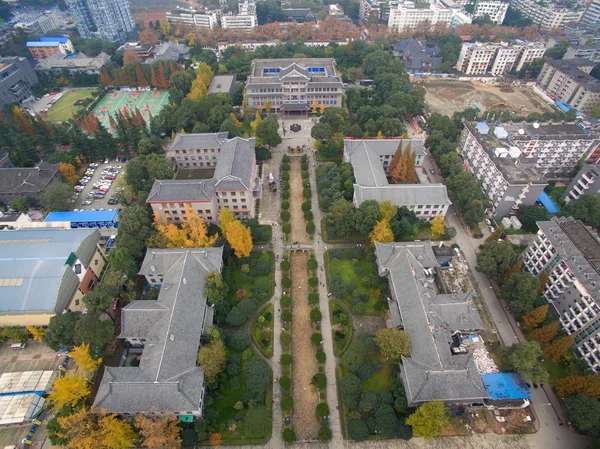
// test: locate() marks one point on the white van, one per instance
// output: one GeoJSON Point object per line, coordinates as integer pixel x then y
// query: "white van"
{"type": "Point", "coordinates": [18, 346]}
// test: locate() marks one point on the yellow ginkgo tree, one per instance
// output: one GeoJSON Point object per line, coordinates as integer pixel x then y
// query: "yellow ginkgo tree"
{"type": "Point", "coordinates": [81, 355]}
{"type": "Point", "coordinates": [237, 235]}
{"type": "Point", "coordinates": [37, 332]}
{"type": "Point", "coordinates": [69, 390]}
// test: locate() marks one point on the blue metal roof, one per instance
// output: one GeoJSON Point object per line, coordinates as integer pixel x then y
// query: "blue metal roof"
{"type": "Point", "coordinates": [548, 203]}
{"type": "Point", "coordinates": [60, 39]}
{"type": "Point", "coordinates": [84, 216]}
{"type": "Point", "coordinates": [42, 44]}
{"type": "Point", "coordinates": [503, 386]}
{"type": "Point", "coordinates": [563, 107]}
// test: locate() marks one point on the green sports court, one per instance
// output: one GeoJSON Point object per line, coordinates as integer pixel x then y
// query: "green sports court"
{"type": "Point", "coordinates": [148, 102]}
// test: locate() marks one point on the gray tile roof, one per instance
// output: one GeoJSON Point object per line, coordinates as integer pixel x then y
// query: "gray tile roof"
{"type": "Point", "coordinates": [431, 372]}
{"type": "Point", "coordinates": [297, 66]}
{"type": "Point", "coordinates": [416, 55]}
{"type": "Point", "coordinates": [235, 165]}
{"type": "Point", "coordinates": [36, 261]}
{"type": "Point", "coordinates": [174, 190]}
{"type": "Point", "coordinates": [371, 172]}
{"type": "Point", "coordinates": [404, 194]}
{"type": "Point", "coordinates": [221, 84]}
{"type": "Point", "coordinates": [171, 51]}
{"type": "Point", "coordinates": [383, 147]}
{"type": "Point", "coordinates": [168, 377]}
{"type": "Point", "coordinates": [198, 141]}
{"type": "Point", "coordinates": [33, 180]}
{"type": "Point", "coordinates": [79, 62]}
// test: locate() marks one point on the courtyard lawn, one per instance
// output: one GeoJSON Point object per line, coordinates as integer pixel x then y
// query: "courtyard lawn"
{"type": "Point", "coordinates": [380, 380]}
{"type": "Point", "coordinates": [64, 108]}
{"type": "Point", "coordinates": [330, 237]}
{"type": "Point", "coordinates": [262, 333]}
{"type": "Point", "coordinates": [557, 192]}
{"type": "Point", "coordinates": [340, 344]}
{"type": "Point", "coordinates": [251, 280]}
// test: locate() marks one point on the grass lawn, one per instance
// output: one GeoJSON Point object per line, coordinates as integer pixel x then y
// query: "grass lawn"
{"type": "Point", "coordinates": [557, 192]}
{"type": "Point", "coordinates": [247, 281]}
{"type": "Point", "coordinates": [380, 380]}
{"type": "Point", "coordinates": [264, 340]}
{"type": "Point", "coordinates": [424, 233]}
{"type": "Point", "coordinates": [340, 345]}
{"type": "Point", "coordinates": [330, 237]}
{"type": "Point", "coordinates": [345, 269]}
{"type": "Point", "coordinates": [557, 371]}
{"type": "Point", "coordinates": [64, 108]}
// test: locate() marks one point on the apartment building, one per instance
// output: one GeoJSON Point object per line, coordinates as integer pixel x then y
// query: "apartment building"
{"type": "Point", "coordinates": [233, 185]}
{"type": "Point", "coordinates": [375, 11]}
{"type": "Point", "coordinates": [570, 82]}
{"type": "Point", "coordinates": [548, 15]}
{"type": "Point", "coordinates": [592, 14]}
{"type": "Point", "coordinates": [47, 271]}
{"type": "Point", "coordinates": [591, 52]}
{"type": "Point", "coordinates": [585, 182]}
{"type": "Point", "coordinates": [370, 160]}
{"type": "Point", "coordinates": [567, 250]}
{"type": "Point", "coordinates": [495, 9]}
{"type": "Point", "coordinates": [169, 332]}
{"type": "Point", "coordinates": [110, 20]}
{"type": "Point", "coordinates": [245, 20]}
{"type": "Point", "coordinates": [38, 23]}
{"type": "Point", "coordinates": [190, 20]}
{"type": "Point", "coordinates": [47, 46]}
{"type": "Point", "coordinates": [409, 15]}
{"type": "Point", "coordinates": [16, 78]}
{"type": "Point", "coordinates": [479, 58]}
{"type": "Point", "coordinates": [293, 85]}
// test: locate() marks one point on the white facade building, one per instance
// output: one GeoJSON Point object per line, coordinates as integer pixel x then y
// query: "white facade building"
{"type": "Point", "coordinates": [497, 58]}
{"type": "Point", "coordinates": [407, 16]}
{"type": "Point", "coordinates": [592, 14]}
{"type": "Point", "coordinates": [495, 9]}
{"type": "Point", "coordinates": [193, 20]}
{"type": "Point", "coordinates": [110, 20]}
{"type": "Point", "coordinates": [549, 16]}
{"type": "Point", "coordinates": [245, 20]}
{"type": "Point", "coordinates": [39, 24]}
{"type": "Point", "coordinates": [569, 252]}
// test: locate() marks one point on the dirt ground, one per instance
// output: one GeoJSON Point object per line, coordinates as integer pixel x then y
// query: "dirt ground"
{"type": "Point", "coordinates": [297, 220]}
{"type": "Point", "coordinates": [304, 419]}
{"type": "Point", "coordinates": [447, 97]}
{"type": "Point", "coordinates": [488, 441]}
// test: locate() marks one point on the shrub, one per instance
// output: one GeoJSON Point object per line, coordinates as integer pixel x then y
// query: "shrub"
{"type": "Point", "coordinates": [358, 308]}
{"type": "Point", "coordinates": [322, 410]}
{"type": "Point", "coordinates": [287, 227]}
{"type": "Point", "coordinates": [238, 340]}
{"type": "Point", "coordinates": [358, 430]}
{"type": "Point", "coordinates": [365, 371]}
{"type": "Point", "coordinates": [307, 205]}
{"type": "Point", "coordinates": [313, 298]}
{"type": "Point", "coordinates": [261, 267]}
{"type": "Point", "coordinates": [289, 436]}
{"type": "Point", "coordinates": [287, 403]}
{"type": "Point", "coordinates": [304, 166]}
{"type": "Point", "coordinates": [312, 264]}
{"type": "Point", "coordinates": [286, 316]}
{"type": "Point", "coordinates": [324, 434]}
{"type": "Point", "coordinates": [286, 359]}
{"type": "Point", "coordinates": [304, 158]}
{"type": "Point", "coordinates": [286, 185]}
{"type": "Point", "coordinates": [308, 215]}
{"type": "Point", "coordinates": [321, 357]}
{"type": "Point", "coordinates": [304, 174]}
{"type": "Point", "coordinates": [316, 338]}
{"type": "Point", "coordinates": [285, 382]}
{"type": "Point", "coordinates": [285, 166]}
{"type": "Point", "coordinates": [285, 215]}
{"type": "Point", "coordinates": [310, 227]}
{"type": "Point", "coordinates": [315, 315]}
{"type": "Point", "coordinates": [286, 158]}
{"type": "Point", "coordinates": [307, 193]}
{"type": "Point", "coordinates": [286, 282]}
{"type": "Point", "coordinates": [313, 282]}
{"type": "Point", "coordinates": [285, 176]}
{"type": "Point", "coordinates": [319, 380]}
{"type": "Point", "coordinates": [337, 253]}
{"type": "Point", "coordinates": [285, 195]}
{"type": "Point", "coordinates": [286, 300]}
{"type": "Point", "coordinates": [285, 205]}
{"type": "Point", "coordinates": [358, 270]}
{"type": "Point", "coordinates": [285, 265]}
{"type": "Point", "coordinates": [286, 338]}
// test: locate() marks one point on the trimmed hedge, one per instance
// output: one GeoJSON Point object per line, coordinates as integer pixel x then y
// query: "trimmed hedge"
{"type": "Point", "coordinates": [285, 195]}
{"type": "Point", "coordinates": [310, 227]}
{"type": "Point", "coordinates": [286, 282]}
{"type": "Point", "coordinates": [304, 174]}
{"type": "Point", "coordinates": [289, 436]}
{"type": "Point", "coordinates": [321, 357]}
{"type": "Point", "coordinates": [286, 316]}
{"type": "Point", "coordinates": [287, 227]}
{"type": "Point", "coordinates": [308, 215]}
{"type": "Point", "coordinates": [304, 166]}
{"type": "Point", "coordinates": [312, 264]}
{"type": "Point", "coordinates": [286, 301]}
{"type": "Point", "coordinates": [285, 205]}
{"type": "Point", "coordinates": [307, 193]}
{"type": "Point", "coordinates": [285, 166]}
{"type": "Point", "coordinates": [285, 215]}
{"type": "Point", "coordinates": [313, 298]}
{"type": "Point", "coordinates": [286, 158]}
{"type": "Point", "coordinates": [316, 338]}
{"type": "Point", "coordinates": [285, 265]}
{"type": "Point", "coordinates": [286, 359]}
{"type": "Point", "coordinates": [285, 382]}
{"type": "Point", "coordinates": [287, 403]}
{"type": "Point", "coordinates": [313, 282]}
{"type": "Point", "coordinates": [285, 176]}
{"type": "Point", "coordinates": [315, 315]}
{"type": "Point", "coordinates": [322, 410]}
{"type": "Point", "coordinates": [324, 434]}
{"type": "Point", "coordinates": [307, 205]}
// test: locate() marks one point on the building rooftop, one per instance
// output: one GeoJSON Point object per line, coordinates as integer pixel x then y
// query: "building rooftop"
{"type": "Point", "coordinates": [168, 377]}
{"type": "Point", "coordinates": [196, 140]}
{"type": "Point", "coordinates": [505, 386]}
{"type": "Point", "coordinates": [36, 267]}
{"type": "Point", "coordinates": [235, 164]}
{"type": "Point", "coordinates": [433, 371]}
{"type": "Point", "coordinates": [170, 51]}
{"type": "Point", "coordinates": [84, 216]}
{"type": "Point", "coordinates": [571, 68]}
{"type": "Point", "coordinates": [417, 55]}
{"type": "Point", "coordinates": [317, 70]}
{"type": "Point", "coordinates": [221, 84]}
{"type": "Point", "coordinates": [78, 61]}
{"type": "Point", "coordinates": [22, 180]}
{"type": "Point", "coordinates": [61, 39]}
{"type": "Point", "coordinates": [174, 190]}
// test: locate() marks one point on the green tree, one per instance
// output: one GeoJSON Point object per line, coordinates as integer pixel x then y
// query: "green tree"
{"type": "Point", "coordinates": [61, 330]}
{"type": "Point", "coordinates": [393, 344]}
{"type": "Point", "coordinates": [429, 419]}
{"type": "Point", "coordinates": [341, 217]}
{"type": "Point", "coordinates": [366, 216]}
{"type": "Point", "coordinates": [585, 208]}
{"type": "Point", "coordinates": [149, 145]}
{"type": "Point", "coordinates": [321, 131]}
{"type": "Point", "coordinates": [98, 301]}
{"type": "Point", "coordinates": [584, 412]}
{"type": "Point", "coordinates": [530, 215]}
{"type": "Point", "coordinates": [525, 358]}
{"type": "Point", "coordinates": [22, 204]}
{"type": "Point", "coordinates": [358, 430]}
{"type": "Point", "coordinates": [215, 289]}
{"type": "Point", "coordinates": [257, 421]}
{"type": "Point", "coordinates": [495, 258]}
{"type": "Point", "coordinates": [56, 197]}
{"type": "Point", "coordinates": [521, 291]}
{"type": "Point", "coordinates": [89, 329]}
{"type": "Point", "coordinates": [268, 132]}
{"type": "Point", "coordinates": [212, 356]}
{"type": "Point", "coordinates": [143, 170]}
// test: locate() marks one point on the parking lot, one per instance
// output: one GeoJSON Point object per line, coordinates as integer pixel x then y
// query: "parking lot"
{"type": "Point", "coordinates": [106, 177]}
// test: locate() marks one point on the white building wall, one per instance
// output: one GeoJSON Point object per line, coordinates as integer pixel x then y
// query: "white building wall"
{"type": "Point", "coordinates": [493, 8]}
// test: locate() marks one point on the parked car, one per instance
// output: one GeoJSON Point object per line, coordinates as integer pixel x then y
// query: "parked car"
{"type": "Point", "coordinates": [116, 303]}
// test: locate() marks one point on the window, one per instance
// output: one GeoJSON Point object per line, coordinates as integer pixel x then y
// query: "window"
{"type": "Point", "coordinates": [77, 268]}
{"type": "Point", "coordinates": [76, 302]}
{"type": "Point", "coordinates": [207, 211]}
{"type": "Point", "coordinates": [234, 200]}
{"type": "Point", "coordinates": [174, 212]}
{"type": "Point", "coordinates": [225, 200]}
{"type": "Point", "coordinates": [91, 284]}
{"type": "Point", "coordinates": [243, 200]}
{"type": "Point", "coordinates": [95, 261]}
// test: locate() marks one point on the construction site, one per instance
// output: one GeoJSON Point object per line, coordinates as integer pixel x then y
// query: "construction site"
{"type": "Point", "coordinates": [449, 96]}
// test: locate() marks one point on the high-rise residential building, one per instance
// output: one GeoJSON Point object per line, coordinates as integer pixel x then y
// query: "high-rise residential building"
{"type": "Point", "coordinates": [590, 52]}
{"type": "Point", "coordinates": [110, 20]}
{"type": "Point", "coordinates": [569, 81]}
{"type": "Point", "coordinates": [495, 9]}
{"type": "Point", "coordinates": [549, 15]}
{"type": "Point", "coordinates": [497, 58]}
{"type": "Point", "coordinates": [37, 22]}
{"type": "Point", "coordinates": [409, 15]}
{"type": "Point", "coordinates": [569, 252]}
{"type": "Point", "coordinates": [16, 78]}
{"type": "Point", "coordinates": [585, 182]}
{"type": "Point", "coordinates": [375, 11]}
{"type": "Point", "coordinates": [592, 14]}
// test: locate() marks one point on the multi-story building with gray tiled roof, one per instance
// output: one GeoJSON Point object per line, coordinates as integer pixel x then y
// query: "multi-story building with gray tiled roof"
{"type": "Point", "coordinates": [293, 85]}
{"type": "Point", "coordinates": [170, 329]}
{"type": "Point", "coordinates": [370, 159]}
{"type": "Point", "coordinates": [567, 250]}
{"type": "Point", "coordinates": [233, 185]}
